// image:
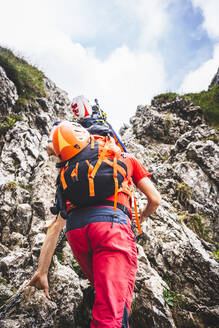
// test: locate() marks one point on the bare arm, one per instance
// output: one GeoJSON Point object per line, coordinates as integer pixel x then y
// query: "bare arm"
{"type": "Point", "coordinates": [40, 278]}
{"type": "Point", "coordinates": [49, 147]}
{"type": "Point", "coordinates": [153, 197]}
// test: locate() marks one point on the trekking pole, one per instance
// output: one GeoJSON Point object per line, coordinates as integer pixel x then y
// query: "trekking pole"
{"type": "Point", "coordinates": [118, 140]}
{"type": "Point", "coordinates": [15, 299]}
{"type": "Point", "coordinates": [11, 302]}
{"type": "Point", "coordinates": [99, 109]}
{"type": "Point", "coordinates": [115, 135]}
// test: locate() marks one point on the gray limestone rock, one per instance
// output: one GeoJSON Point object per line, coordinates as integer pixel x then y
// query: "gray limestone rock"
{"type": "Point", "coordinates": [177, 279]}
{"type": "Point", "coordinates": [215, 80]}
{"type": "Point", "coordinates": [8, 93]}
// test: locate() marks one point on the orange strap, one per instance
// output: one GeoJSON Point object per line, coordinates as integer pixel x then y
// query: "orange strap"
{"type": "Point", "coordinates": [62, 178]}
{"type": "Point", "coordinates": [90, 179]}
{"type": "Point", "coordinates": [120, 169]}
{"type": "Point", "coordinates": [126, 191]}
{"type": "Point", "coordinates": [136, 216]}
{"type": "Point", "coordinates": [135, 207]}
{"type": "Point", "coordinates": [116, 182]}
{"type": "Point", "coordinates": [99, 161]}
{"type": "Point", "coordinates": [74, 173]}
{"type": "Point", "coordinates": [125, 188]}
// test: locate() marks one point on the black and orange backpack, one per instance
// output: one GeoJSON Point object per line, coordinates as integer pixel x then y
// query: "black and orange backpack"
{"type": "Point", "coordinates": [96, 172]}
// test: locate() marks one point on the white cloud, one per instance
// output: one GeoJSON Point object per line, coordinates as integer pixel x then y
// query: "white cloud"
{"type": "Point", "coordinates": [200, 79]}
{"type": "Point", "coordinates": [210, 9]}
{"type": "Point", "coordinates": [44, 31]}
{"type": "Point", "coordinates": [155, 21]}
{"type": "Point", "coordinates": [121, 82]}
{"type": "Point", "coordinates": [152, 17]}
{"type": "Point", "coordinates": [125, 80]}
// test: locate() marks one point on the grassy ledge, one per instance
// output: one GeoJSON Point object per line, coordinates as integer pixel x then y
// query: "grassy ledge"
{"type": "Point", "coordinates": [207, 100]}
{"type": "Point", "coordinates": [27, 78]}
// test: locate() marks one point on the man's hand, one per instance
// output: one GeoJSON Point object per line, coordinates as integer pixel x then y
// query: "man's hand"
{"type": "Point", "coordinates": [40, 281]}
{"type": "Point", "coordinates": [40, 278]}
{"type": "Point", "coordinates": [153, 198]}
{"type": "Point", "coordinates": [50, 148]}
{"type": "Point", "coordinates": [141, 214]}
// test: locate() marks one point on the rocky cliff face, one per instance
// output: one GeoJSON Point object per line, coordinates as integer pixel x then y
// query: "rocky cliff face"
{"type": "Point", "coordinates": [178, 274]}
{"type": "Point", "coordinates": [215, 79]}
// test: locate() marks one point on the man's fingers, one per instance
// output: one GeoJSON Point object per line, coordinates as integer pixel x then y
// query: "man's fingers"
{"type": "Point", "coordinates": [47, 293]}
{"type": "Point", "coordinates": [29, 283]}
{"type": "Point", "coordinates": [38, 286]}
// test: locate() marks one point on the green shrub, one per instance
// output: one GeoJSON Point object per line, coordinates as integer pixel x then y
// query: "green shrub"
{"type": "Point", "coordinates": [21, 103]}
{"type": "Point", "coordinates": [166, 97]}
{"type": "Point", "coordinates": [213, 137]}
{"type": "Point", "coordinates": [3, 299]}
{"type": "Point", "coordinates": [7, 122]}
{"type": "Point", "coordinates": [183, 192]}
{"type": "Point", "coordinates": [27, 78]}
{"type": "Point", "coordinates": [168, 121]}
{"type": "Point", "coordinates": [216, 254]}
{"type": "Point", "coordinates": [209, 103]}
{"type": "Point", "coordinates": [3, 281]}
{"type": "Point", "coordinates": [172, 298]}
{"type": "Point", "coordinates": [169, 296]}
{"type": "Point", "coordinates": [197, 223]}
{"type": "Point", "coordinates": [59, 252]}
{"type": "Point", "coordinates": [77, 268]}
{"type": "Point", "coordinates": [207, 100]}
{"type": "Point", "coordinates": [28, 187]}
{"type": "Point", "coordinates": [11, 185]}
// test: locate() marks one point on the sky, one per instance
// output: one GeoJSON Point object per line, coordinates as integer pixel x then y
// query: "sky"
{"type": "Point", "coordinates": [122, 52]}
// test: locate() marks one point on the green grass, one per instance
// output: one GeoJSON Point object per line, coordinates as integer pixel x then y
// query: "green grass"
{"type": "Point", "coordinates": [207, 100]}
{"type": "Point", "coordinates": [77, 268]}
{"type": "Point", "coordinates": [169, 296]}
{"type": "Point", "coordinates": [59, 253]}
{"type": "Point", "coordinates": [213, 137]}
{"type": "Point", "coordinates": [7, 122]}
{"type": "Point", "coordinates": [209, 103]}
{"type": "Point", "coordinates": [28, 187]}
{"type": "Point", "coordinates": [27, 78]}
{"type": "Point", "coordinates": [3, 281]}
{"type": "Point", "coordinates": [12, 185]}
{"type": "Point", "coordinates": [168, 121]}
{"type": "Point", "coordinates": [216, 254]}
{"type": "Point", "coordinates": [183, 192]}
{"type": "Point", "coordinates": [198, 224]}
{"type": "Point", "coordinates": [166, 97]}
{"type": "Point", "coordinates": [3, 299]}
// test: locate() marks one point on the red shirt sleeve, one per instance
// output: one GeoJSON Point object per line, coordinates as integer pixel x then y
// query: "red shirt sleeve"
{"type": "Point", "coordinates": [136, 170]}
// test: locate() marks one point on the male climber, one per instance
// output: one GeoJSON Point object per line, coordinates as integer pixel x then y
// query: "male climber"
{"type": "Point", "coordinates": [100, 237]}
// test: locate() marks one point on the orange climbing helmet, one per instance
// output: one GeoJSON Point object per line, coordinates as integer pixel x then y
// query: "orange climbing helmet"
{"type": "Point", "coordinates": [69, 139]}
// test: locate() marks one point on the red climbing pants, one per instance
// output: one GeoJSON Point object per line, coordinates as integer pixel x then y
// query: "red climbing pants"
{"type": "Point", "coordinates": [107, 255]}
